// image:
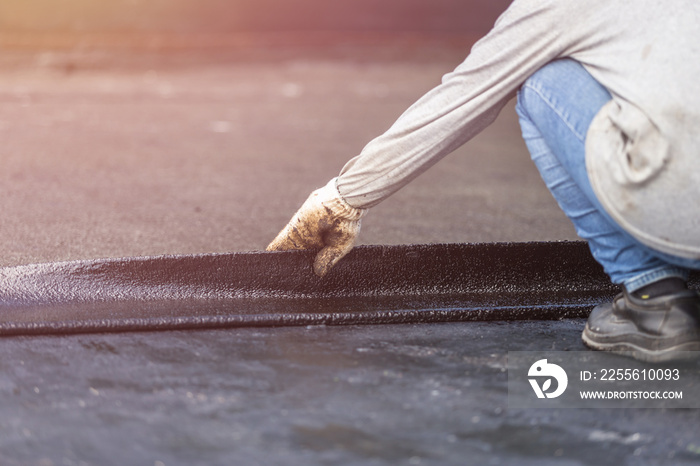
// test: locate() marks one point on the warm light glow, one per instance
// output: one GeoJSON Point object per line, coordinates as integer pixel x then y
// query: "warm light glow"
{"type": "Point", "coordinates": [225, 17]}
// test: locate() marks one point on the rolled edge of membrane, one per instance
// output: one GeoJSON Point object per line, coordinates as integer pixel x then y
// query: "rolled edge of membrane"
{"type": "Point", "coordinates": [394, 284]}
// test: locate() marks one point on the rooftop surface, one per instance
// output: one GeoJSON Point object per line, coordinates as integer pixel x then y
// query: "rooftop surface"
{"type": "Point", "coordinates": [115, 151]}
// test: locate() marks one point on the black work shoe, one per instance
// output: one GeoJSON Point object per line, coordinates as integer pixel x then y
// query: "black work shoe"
{"type": "Point", "coordinates": [652, 330]}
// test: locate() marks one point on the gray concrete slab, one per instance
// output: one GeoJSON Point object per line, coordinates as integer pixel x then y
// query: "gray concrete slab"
{"type": "Point", "coordinates": [143, 159]}
{"type": "Point", "coordinates": [371, 395]}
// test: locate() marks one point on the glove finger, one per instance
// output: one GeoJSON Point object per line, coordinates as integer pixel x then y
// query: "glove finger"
{"type": "Point", "coordinates": [328, 257]}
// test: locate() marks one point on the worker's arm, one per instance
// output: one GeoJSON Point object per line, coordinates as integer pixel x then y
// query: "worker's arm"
{"type": "Point", "coordinates": [527, 36]}
{"type": "Point", "coordinates": [468, 100]}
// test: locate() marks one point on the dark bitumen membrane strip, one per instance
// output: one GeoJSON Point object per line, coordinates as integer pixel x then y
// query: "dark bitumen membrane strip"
{"type": "Point", "coordinates": [372, 285]}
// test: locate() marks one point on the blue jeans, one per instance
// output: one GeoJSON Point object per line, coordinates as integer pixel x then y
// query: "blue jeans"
{"type": "Point", "coordinates": [556, 106]}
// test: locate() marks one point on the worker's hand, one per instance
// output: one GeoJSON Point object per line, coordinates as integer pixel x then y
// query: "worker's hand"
{"type": "Point", "coordinates": [324, 221]}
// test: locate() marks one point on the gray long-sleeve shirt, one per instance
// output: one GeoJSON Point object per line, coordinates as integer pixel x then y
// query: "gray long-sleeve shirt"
{"type": "Point", "coordinates": [642, 149]}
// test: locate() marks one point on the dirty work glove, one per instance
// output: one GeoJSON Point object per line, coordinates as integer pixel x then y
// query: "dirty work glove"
{"type": "Point", "coordinates": [324, 221]}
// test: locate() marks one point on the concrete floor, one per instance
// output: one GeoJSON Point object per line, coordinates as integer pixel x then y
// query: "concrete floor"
{"type": "Point", "coordinates": [214, 154]}
{"type": "Point", "coordinates": [149, 158]}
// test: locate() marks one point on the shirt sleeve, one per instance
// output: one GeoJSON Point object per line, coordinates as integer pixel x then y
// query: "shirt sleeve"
{"type": "Point", "coordinates": [525, 37]}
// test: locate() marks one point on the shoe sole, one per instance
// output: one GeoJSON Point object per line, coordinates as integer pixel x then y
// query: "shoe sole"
{"type": "Point", "coordinates": [681, 352]}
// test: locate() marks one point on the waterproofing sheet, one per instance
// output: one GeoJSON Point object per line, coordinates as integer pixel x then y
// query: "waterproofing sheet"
{"type": "Point", "coordinates": [373, 285]}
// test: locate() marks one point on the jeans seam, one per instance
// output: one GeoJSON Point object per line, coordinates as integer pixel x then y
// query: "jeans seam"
{"type": "Point", "coordinates": [554, 109]}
